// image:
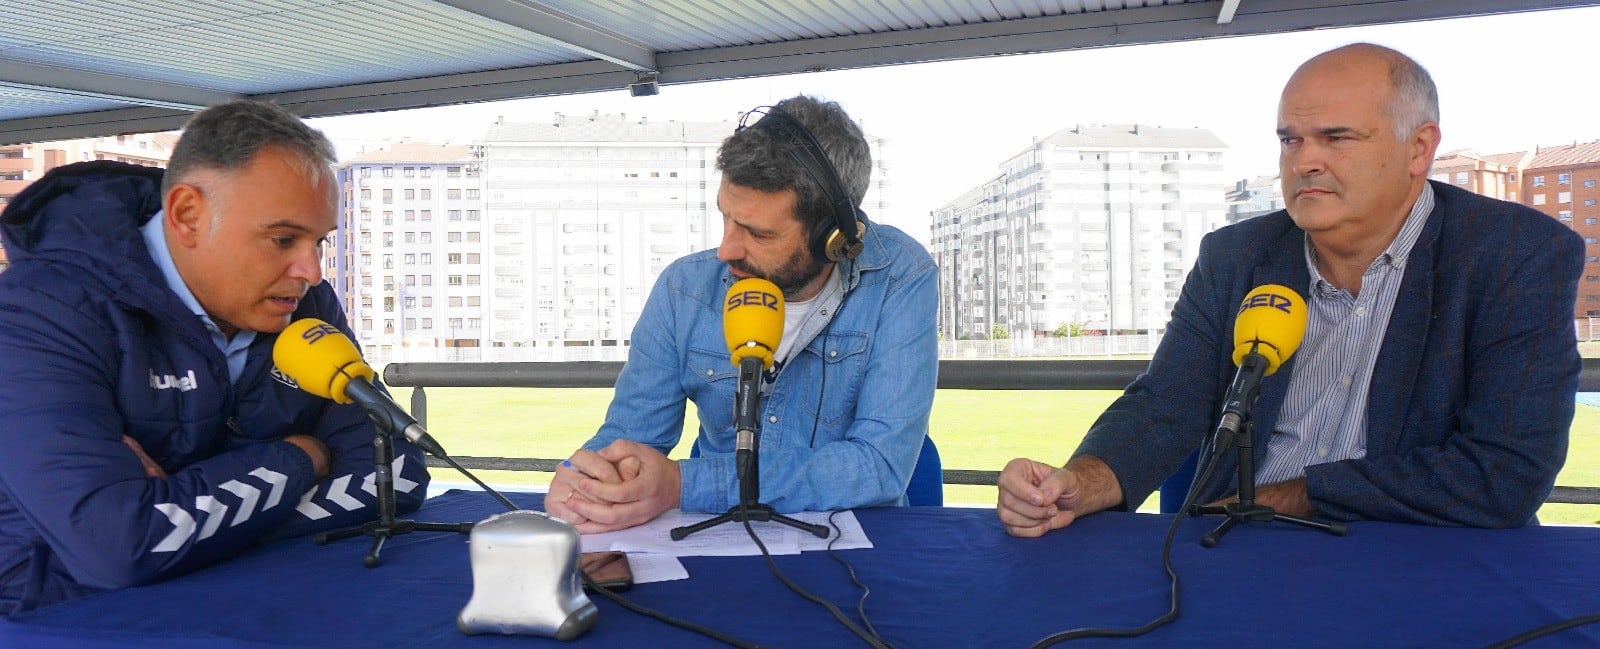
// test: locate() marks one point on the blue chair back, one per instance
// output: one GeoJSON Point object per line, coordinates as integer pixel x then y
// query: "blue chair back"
{"type": "Point", "coordinates": [927, 480]}
{"type": "Point", "coordinates": [1176, 488]}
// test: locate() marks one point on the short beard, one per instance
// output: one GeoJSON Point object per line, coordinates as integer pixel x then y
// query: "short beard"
{"type": "Point", "coordinates": [797, 271]}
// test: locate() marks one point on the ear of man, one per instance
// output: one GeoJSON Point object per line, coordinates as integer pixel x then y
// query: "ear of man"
{"type": "Point", "coordinates": [187, 214]}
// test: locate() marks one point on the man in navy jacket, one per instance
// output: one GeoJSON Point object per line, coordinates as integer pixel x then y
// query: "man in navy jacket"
{"type": "Point", "coordinates": [1436, 381]}
{"type": "Point", "coordinates": [144, 431]}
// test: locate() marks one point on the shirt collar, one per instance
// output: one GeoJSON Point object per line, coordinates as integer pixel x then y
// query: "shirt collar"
{"type": "Point", "coordinates": [1399, 249]}
{"type": "Point", "coordinates": [155, 239]}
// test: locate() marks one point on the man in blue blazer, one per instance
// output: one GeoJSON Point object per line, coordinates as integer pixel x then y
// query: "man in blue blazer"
{"type": "Point", "coordinates": [1436, 380]}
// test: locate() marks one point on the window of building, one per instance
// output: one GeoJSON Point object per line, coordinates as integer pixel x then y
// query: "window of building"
{"type": "Point", "coordinates": [427, 323]}
{"type": "Point", "coordinates": [1564, 179]}
{"type": "Point", "coordinates": [452, 172]}
{"type": "Point", "coordinates": [473, 257]}
{"type": "Point", "coordinates": [455, 280]}
{"type": "Point", "coordinates": [388, 238]}
{"type": "Point", "coordinates": [472, 194]}
{"type": "Point", "coordinates": [1461, 177]}
{"type": "Point", "coordinates": [411, 215]}
{"type": "Point", "coordinates": [455, 323]}
{"type": "Point", "coordinates": [411, 237]}
{"type": "Point", "coordinates": [1588, 183]}
{"type": "Point", "coordinates": [472, 300]}
{"type": "Point", "coordinates": [427, 237]}
{"type": "Point", "coordinates": [427, 280]}
{"type": "Point", "coordinates": [366, 172]}
{"type": "Point", "coordinates": [388, 172]}
{"type": "Point", "coordinates": [452, 194]}
{"type": "Point", "coordinates": [453, 215]}
{"type": "Point", "coordinates": [427, 172]}
{"type": "Point", "coordinates": [1591, 278]}
{"type": "Point", "coordinates": [427, 194]}
{"type": "Point", "coordinates": [1591, 221]}
{"type": "Point", "coordinates": [453, 237]}
{"type": "Point", "coordinates": [427, 302]}
{"type": "Point", "coordinates": [455, 300]}
{"type": "Point", "coordinates": [388, 304]}
{"type": "Point", "coordinates": [427, 216]}
{"type": "Point", "coordinates": [1538, 181]}
{"type": "Point", "coordinates": [388, 261]}
{"type": "Point", "coordinates": [453, 258]}
{"type": "Point", "coordinates": [411, 194]}
{"type": "Point", "coordinates": [1591, 240]}
{"type": "Point", "coordinates": [474, 237]}
{"type": "Point", "coordinates": [366, 193]}
{"type": "Point", "coordinates": [1588, 202]}
{"type": "Point", "coordinates": [474, 215]}
{"type": "Point", "coordinates": [473, 280]}
{"type": "Point", "coordinates": [1591, 259]}
{"type": "Point", "coordinates": [1564, 197]}
{"type": "Point", "coordinates": [388, 196]}
{"type": "Point", "coordinates": [409, 172]}
{"type": "Point", "coordinates": [411, 258]}
{"type": "Point", "coordinates": [474, 323]}
{"type": "Point", "coordinates": [1565, 216]}
{"type": "Point", "coordinates": [1538, 199]}
{"type": "Point", "coordinates": [411, 302]}
{"type": "Point", "coordinates": [427, 258]}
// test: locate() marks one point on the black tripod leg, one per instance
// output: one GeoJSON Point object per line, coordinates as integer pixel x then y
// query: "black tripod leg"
{"type": "Point", "coordinates": [678, 533]}
{"type": "Point", "coordinates": [378, 537]}
{"type": "Point", "coordinates": [329, 537]}
{"type": "Point", "coordinates": [1335, 528]}
{"type": "Point", "coordinates": [1210, 540]}
{"type": "Point", "coordinates": [820, 531]}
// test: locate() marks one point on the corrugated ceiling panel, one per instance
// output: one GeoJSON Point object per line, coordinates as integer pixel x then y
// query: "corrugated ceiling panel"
{"type": "Point", "coordinates": [680, 25]}
{"type": "Point", "coordinates": [294, 44]}
{"type": "Point", "coordinates": [20, 103]}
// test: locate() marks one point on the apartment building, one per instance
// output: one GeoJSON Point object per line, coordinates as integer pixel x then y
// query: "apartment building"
{"type": "Point", "coordinates": [1094, 226]}
{"type": "Point", "coordinates": [584, 212]}
{"type": "Point", "coordinates": [1561, 181]}
{"type": "Point", "coordinates": [1255, 197]}
{"type": "Point", "coordinates": [1495, 176]}
{"type": "Point", "coordinates": [21, 164]}
{"type": "Point", "coordinates": [408, 255]}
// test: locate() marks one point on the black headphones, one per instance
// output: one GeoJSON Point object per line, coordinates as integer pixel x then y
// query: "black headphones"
{"type": "Point", "coordinates": [833, 239]}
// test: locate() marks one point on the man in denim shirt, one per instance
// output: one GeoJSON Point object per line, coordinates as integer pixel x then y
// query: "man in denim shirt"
{"type": "Point", "coordinates": [845, 407]}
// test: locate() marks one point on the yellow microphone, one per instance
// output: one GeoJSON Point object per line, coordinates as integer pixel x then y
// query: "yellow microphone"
{"type": "Point", "coordinates": [1271, 322]}
{"type": "Point", "coordinates": [752, 320]}
{"type": "Point", "coordinates": [323, 361]}
{"type": "Point", "coordinates": [320, 358]}
{"type": "Point", "coordinates": [1270, 325]}
{"type": "Point", "coordinates": [752, 323]}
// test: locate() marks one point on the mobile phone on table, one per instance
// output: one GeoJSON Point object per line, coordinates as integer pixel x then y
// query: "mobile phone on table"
{"type": "Point", "coordinates": [608, 569]}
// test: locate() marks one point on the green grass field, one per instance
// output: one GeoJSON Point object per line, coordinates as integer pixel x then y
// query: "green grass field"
{"type": "Point", "coordinates": [1045, 425]}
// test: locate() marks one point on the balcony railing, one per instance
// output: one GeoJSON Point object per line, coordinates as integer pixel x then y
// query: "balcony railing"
{"type": "Point", "coordinates": [953, 375]}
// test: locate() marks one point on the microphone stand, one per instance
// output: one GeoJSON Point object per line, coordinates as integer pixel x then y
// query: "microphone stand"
{"type": "Point", "coordinates": [1237, 423]}
{"type": "Point", "coordinates": [386, 525]}
{"type": "Point", "coordinates": [747, 459]}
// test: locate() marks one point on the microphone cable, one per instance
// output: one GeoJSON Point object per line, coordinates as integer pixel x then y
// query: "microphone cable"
{"type": "Point", "coordinates": [1545, 630]}
{"type": "Point", "coordinates": [1166, 562]}
{"type": "Point", "coordinates": [871, 639]}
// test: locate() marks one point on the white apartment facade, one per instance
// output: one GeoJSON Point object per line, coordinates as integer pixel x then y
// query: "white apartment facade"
{"type": "Point", "coordinates": [583, 213]}
{"type": "Point", "coordinates": [1093, 227]}
{"type": "Point", "coordinates": [407, 258]}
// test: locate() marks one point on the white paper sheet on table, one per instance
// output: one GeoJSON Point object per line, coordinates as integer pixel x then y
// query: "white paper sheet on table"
{"type": "Point", "coordinates": [727, 539]}
{"type": "Point", "coordinates": [651, 568]}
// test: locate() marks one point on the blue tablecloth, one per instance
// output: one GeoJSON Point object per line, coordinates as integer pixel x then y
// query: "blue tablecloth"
{"type": "Point", "coordinates": [939, 578]}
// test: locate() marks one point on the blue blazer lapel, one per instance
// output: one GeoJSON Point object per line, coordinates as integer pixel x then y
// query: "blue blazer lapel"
{"type": "Point", "coordinates": [1394, 376]}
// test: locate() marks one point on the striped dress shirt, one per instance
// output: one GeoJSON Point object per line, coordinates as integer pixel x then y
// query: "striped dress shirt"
{"type": "Point", "coordinates": [1324, 417]}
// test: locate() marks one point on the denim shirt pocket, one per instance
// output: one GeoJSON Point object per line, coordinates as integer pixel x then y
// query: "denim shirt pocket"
{"type": "Point", "coordinates": [711, 389]}
{"type": "Point", "coordinates": [832, 398]}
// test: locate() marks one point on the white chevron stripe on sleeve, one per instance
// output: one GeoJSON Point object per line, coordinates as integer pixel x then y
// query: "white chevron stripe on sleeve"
{"type": "Point", "coordinates": [309, 509]}
{"type": "Point", "coordinates": [338, 495]}
{"type": "Point", "coordinates": [183, 527]}
{"type": "Point", "coordinates": [277, 480]}
{"type": "Point", "coordinates": [248, 496]}
{"type": "Point", "coordinates": [370, 484]}
{"type": "Point", "coordinates": [215, 511]}
{"type": "Point", "coordinates": [401, 484]}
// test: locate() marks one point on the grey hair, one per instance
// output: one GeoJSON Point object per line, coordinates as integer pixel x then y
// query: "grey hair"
{"type": "Point", "coordinates": [750, 158]}
{"type": "Point", "coordinates": [1416, 99]}
{"type": "Point", "coordinates": [226, 137]}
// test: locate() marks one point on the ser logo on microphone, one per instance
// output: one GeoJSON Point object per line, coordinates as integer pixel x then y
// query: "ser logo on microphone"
{"type": "Point", "coordinates": [1269, 300]}
{"type": "Point", "coordinates": [316, 332]}
{"type": "Point", "coordinates": [752, 298]}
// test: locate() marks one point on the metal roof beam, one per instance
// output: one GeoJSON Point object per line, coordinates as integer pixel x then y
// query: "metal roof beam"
{"type": "Point", "coordinates": [1229, 7]}
{"type": "Point", "coordinates": [128, 90]}
{"type": "Point", "coordinates": [562, 30]}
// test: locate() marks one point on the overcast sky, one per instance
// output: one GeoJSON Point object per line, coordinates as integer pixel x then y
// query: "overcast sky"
{"type": "Point", "coordinates": [1506, 83]}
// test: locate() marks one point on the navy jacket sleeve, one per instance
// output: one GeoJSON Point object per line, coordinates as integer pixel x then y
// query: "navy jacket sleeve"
{"type": "Point", "coordinates": [66, 468]}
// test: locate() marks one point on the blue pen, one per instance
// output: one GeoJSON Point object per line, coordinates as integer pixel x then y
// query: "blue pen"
{"type": "Point", "coordinates": [568, 464]}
